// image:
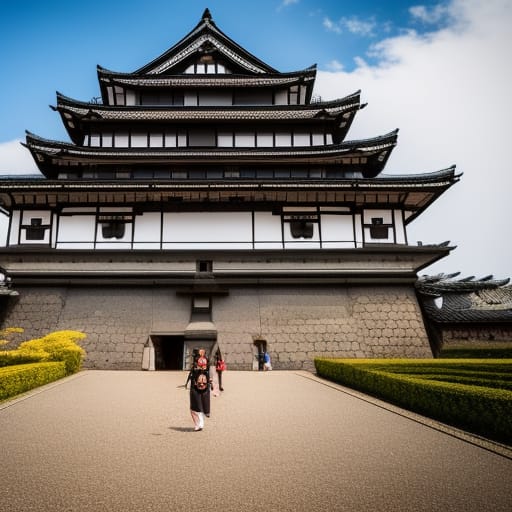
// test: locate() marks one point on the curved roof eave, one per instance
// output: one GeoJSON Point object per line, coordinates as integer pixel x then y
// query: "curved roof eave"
{"type": "Point", "coordinates": [372, 144]}
{"type": "Point", "coordinates": [323, 111]}
{"type": "Point", "coordinates": [107, 74]}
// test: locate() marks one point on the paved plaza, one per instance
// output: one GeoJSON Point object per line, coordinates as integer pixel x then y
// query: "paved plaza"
{"type": "Point", "coordinates": [276, 441]}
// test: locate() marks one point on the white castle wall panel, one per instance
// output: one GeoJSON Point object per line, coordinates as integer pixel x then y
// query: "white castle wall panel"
{"type": "Point", "coordinates": [15, 226]}
{"type": "Point", "coordinates": [337, 231]}
{"type": "Point", "coordinates": [147, 227]}
{"type": "Point", "coordinates": [267, 231]}
{"type": "Point", "coordinates": [399, 227]}
{"type": "Point", "coordinates": [76, 228]}
{"type": "Point", "coordinates": [199, 230]}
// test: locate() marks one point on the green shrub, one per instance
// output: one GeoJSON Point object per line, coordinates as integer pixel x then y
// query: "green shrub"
{"type": "Point", "coordinates": [478, 350]}
{"type": "Point", "coordinates": [19, 379]}
{"type": "Point", "coordinates": [59, 346]}
{"type": "Point", "coordinates": [413, 384]}
{"type": "Point", "coordinates": [14, 357]}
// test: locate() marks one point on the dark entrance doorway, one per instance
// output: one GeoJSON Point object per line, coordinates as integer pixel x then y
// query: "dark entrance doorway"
{"type": "Point", "coordinates": [168, 352]}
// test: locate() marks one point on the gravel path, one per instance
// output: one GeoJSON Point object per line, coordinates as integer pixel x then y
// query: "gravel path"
{"type": "Point", "coordinates": [276, 441]}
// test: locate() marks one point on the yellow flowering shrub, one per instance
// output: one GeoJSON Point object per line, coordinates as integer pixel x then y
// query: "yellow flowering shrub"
{"type": "Point", "coordinates": [21, 378]}
{"type": "Point", "coordinates": [39, 361]}
{"type": "Point", "coordinates": [58, 346]}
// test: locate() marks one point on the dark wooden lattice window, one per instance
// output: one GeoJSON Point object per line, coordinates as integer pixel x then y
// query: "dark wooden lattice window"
{"type": "Point", "coordinates": [36, 229]}
{"type": "Point", "coordinates": [113, 229]}
{"type": "Point", "coordinates": [301, 229]}
{"type": "Point", "coordinates": [378, 229]}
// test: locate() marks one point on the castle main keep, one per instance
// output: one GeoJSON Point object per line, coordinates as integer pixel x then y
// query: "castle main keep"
{"type": "Point", "coordinates": [209, 198]}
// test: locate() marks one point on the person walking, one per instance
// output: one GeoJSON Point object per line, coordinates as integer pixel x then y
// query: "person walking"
{"type": "Point", "coordinates": [200, 391]}
{"type": "Point", "coordinates": [220, 366]}
{"type": "Point", "coordinates": [195, 356]}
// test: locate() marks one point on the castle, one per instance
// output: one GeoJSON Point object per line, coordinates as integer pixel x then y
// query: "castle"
{"type": "Point", "coordinates": [208, 198]}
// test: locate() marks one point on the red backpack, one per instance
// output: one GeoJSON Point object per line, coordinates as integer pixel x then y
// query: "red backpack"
{"type": "Point", "coordinates": [202, 363]}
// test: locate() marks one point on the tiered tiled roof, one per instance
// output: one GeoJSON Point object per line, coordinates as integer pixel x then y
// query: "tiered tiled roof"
{"type": "Point", "coordinates": [339, 114]}
{"type": "Point", "coordinates": [170, 72]}
{"type": "Point", "coordinates": [467, 300]}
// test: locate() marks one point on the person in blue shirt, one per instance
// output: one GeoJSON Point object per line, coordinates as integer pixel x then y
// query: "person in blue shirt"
{"type": "Point", "coordinates": [267, 364]}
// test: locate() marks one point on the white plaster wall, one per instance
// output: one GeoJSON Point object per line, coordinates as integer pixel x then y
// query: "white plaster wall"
{"type": "Point", "coordinates": [215, 230]}
{"type": "Point", "coordinates": [76, 232]}
{"type": "Point", "coordinates": [15, 226]}
{"type": "Point", "coordinates": [337, 231]}
{"type": "Point", "coordinates": [399, 227]}
{"type": "Point", "coordinates": [147, 227]}
{"type": "Point", "coordinates": [267, 231]}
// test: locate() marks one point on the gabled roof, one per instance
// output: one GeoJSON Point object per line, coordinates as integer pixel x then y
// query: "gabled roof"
{"type": "Point", "coordinates": [205, 38]}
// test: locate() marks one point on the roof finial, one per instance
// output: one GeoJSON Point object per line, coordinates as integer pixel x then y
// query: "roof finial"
{"type": "Point", "coordinates": [206, 15]}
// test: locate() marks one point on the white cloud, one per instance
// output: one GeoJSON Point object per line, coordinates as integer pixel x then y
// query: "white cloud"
{"type": "Point", "coordinates": [433, 15]}
{"type": "Point", "coordinates": [16, 159]}
{"type": "Point", "coordinates": [353, 25]}
{"type": "Point", "coordinates": [286, 3]}
{"type": "Point", "coordinates": [331, 26]}
{"type": "Point", "coordinates": [359, 27]}
{"type": "Point", "coordinates": [448, 92]}
{"type": "Point", "coordinates": [334, 65]}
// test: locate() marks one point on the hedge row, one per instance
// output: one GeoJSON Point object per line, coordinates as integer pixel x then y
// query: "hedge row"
{"type": "Point", "coordinates": [19, 379]}
{"type": "Point", "coordinates": [56, 346]}
{"type": "Point", "coordinates": [480, 409]}
{"type": "Point", "coordinates": [37, 362]}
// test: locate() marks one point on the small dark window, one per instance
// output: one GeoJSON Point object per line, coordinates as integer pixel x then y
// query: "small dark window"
{"type": "Point", "coordinates": [301, 229]}
{"type": "Point", "coordinates": [36, 230]}
{"type": "Point", "coordinates": [113, 229]}
{"type": "Point", "coordinates": [198, 138]}
{"type": "Point", "coordinates": [201, 304]}
{"type": "Point", "coordinates": [377, 230]}
{"type": "Point", "coordinates": [204, 265]}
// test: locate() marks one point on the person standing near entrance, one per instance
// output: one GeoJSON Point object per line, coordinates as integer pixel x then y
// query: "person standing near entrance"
{"type": "Point", "coordinates": [220, 366]}
{"type": "Point", "coordinates": [200, 391]}
{"type": "Point", "coordinates": [267, 363]}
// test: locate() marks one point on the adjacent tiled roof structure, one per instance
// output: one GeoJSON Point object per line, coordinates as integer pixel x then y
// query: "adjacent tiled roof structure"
{"type": "Point", "coordinates": [467, 300]}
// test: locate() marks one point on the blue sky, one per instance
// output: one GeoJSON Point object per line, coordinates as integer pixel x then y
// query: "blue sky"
{"type": "Point", "coordinates": [438, 71]}
{"type": "Point", "coordinates": [56, 45]}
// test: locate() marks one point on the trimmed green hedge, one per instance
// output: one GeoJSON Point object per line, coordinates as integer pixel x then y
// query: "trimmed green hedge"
{"type": "Point", "coordinates": [56, 346]}
{"type": "Point", "coordinates": [37, 362]}
{"type": "Point", "coordinates": [19, 379]}
{"type": "Point", "coordinates": [470, 350]}
{"type": "Point", "coordinates": [477, 407]}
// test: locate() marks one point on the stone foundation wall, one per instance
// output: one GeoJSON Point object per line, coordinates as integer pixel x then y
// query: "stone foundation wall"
{"type": "Point", "coordinates": [117, 321]}
{"type": "Point", "coordinates": [297, 324]}
{"type": "Point", "coordinates": [301, 324]}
